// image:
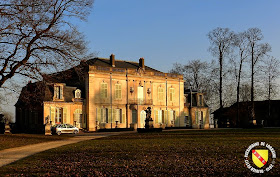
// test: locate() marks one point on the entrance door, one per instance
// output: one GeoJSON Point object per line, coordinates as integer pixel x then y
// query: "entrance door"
{"type": "Point", "coordinates": [142, 119]}
{"type": "Point", "coordinates": [134, 116]}
{"type": "Point", "coordinates": [140, 95]}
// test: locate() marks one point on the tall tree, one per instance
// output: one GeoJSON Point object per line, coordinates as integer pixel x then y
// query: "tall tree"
{"type": "Point", "coordinates": [221, 45]}
{"type": "Point", "coordinates": [271, 73]}
{"type": "Point", "coordinates": [257, 51]}
{"type": "Point", "coordinates": [200, 75]}
{"type": "Point", "coordinates": [37, 36]}
{"type": "Point", "coordinates": [240, 42]}
{"type": "Point", "coordinates": [195, 72]}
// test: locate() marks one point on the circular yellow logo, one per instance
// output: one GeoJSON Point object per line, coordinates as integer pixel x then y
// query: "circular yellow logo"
{"type": "Point", "coordinates": [262, 155]}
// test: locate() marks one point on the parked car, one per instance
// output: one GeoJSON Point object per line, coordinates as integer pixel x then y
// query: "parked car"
{"type": "Point", "coordinates": [65, 128]}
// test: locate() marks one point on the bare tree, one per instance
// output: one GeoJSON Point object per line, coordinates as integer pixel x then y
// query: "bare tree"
{"type": "Point", "coordinates": [221, 44]}
{"type": "Point", "coordinates": [200, 75]}
{"type": "Point", "coordinates": [271, 72]}
{"type": "Point", "coordinates": [37, 36]}
{"type": "Point", "coordinates": [240, 42]}
{"type": "Point", "coordinates": [257, 51]}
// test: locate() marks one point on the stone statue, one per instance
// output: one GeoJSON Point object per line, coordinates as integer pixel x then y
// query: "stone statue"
{"type": "Point", "coordinates": [149, 120]}
{"type": "Point", "coordinates": [48, 127]}
{"type": "Point", "coordinates": [7, 126]}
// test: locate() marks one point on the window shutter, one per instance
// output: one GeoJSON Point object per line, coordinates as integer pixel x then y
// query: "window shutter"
{"type": "Point", "coordinates": [52, 114]}
{"type": "Point", "coordinates": [98, 110]}
{"type": "Point", "coordinates": [123, 117]}
{"type": "Point", "coordinates": [114, 116]}
{"type": "Point", "coordinates": [156, 116]}
{"type": "Point", "coordinates": [65, 115]}
{"type": "Point", "coordinates": [110, 116]}
{"type": "Point", "coordinates": [60, 92]}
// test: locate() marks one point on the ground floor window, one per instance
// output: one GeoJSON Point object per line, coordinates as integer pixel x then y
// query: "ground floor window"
{"type": "Point", "coordinates": [159, 116]}
{"type": "Point", "coordinates": [172, 116]}
{"type": "Point", "coordinates": [106, 115]}
{"type": "Point", "coordinates": [58, 115]}
{"type": "Point", "coordinates": [78, 118]}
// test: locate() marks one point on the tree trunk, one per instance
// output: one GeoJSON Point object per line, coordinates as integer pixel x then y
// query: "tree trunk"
{"type": "Point", "coordinates": [252, 88]}
{"type": "Point", "coordinates": [221, 80]}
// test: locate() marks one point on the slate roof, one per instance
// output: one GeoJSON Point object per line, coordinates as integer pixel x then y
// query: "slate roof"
{"type": "Point", "coordinates": [105, 62]}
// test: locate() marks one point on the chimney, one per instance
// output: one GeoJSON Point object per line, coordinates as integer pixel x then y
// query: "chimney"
{"type": "Point", "coordinates": [141, 63]}
{"type": "Point", "coordinates": [112, 60]}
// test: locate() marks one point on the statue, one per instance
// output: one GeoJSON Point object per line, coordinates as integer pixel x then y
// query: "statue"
{"type": "Point", "coordinates": [149, 120]}
{"type": "Point", "coordinates": [7, 126]}
{"type": "Point", "coordinates": [48, 127]}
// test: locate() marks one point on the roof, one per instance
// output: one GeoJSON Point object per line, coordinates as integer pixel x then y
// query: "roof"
{"type": "Point", "coordinates": [105, 62]}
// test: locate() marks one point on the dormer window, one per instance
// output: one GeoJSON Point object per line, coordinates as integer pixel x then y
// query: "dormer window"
{"type": "Point", "coordinates": [58, 92]}
{"type": "Point", "coordinates": [78, 93]}
{"type": "Point", "coordinates": [200, 100]}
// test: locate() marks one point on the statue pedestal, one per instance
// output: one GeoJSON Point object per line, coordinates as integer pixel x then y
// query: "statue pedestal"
{"type": "Point", "coordinates": [7, 129]}
{"type": "Point", "coordinates": [48, 129]}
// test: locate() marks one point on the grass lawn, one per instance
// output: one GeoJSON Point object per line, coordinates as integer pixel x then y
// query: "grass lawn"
{"type": "Point", "coordinates": [180, 153]}
{"type": "Point", "coordinates": [16, 140]}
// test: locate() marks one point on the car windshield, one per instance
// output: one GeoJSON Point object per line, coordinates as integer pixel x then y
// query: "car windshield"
{"type": "Point", "coordinates": [70, 126]}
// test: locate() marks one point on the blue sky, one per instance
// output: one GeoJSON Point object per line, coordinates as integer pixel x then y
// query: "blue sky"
{"type": "Point", "coordinates": [165, 32]}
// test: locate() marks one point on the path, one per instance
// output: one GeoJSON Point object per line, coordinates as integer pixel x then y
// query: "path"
{"type": "Point", "coordinates": [8, 156]}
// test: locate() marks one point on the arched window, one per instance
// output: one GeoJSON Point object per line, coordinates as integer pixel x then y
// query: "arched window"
{"type": "Point", "coordinates": [142, 119]}
{"type": "Point", "coordinates": [78, 93]}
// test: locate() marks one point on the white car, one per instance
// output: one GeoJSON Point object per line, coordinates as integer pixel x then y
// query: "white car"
{"type": "Point", "coordinates": [65, 128]}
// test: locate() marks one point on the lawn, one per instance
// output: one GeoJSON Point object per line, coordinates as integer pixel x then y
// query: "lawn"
{"type": "Point", "coordinates": [16, 140]}
{"type": "Point", "coordinates": [180, 153]}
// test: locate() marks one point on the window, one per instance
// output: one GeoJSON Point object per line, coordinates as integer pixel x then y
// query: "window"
{"type": "Point", "coordinates": [160, 93]}
{"type": "Point", "coordinates": [200, 100]}
{"type": "Point", "coordinates": [140, 95]}
{"type": "Point", "coordinates": [156, 116]}
{"type": "Point", "coordinates": [171, 116]}
{"type": "Point", "coordinates": [78, 118]}
{"type": "Point", "coordinates": [102, 115]}
{"type": "Point", "coordinates": [160, 116]}
{"type": "Point", "coordinates": [118, 115]}
{"type": "Point", "coordinates": [78, 93]}
{"type": "Point", "coordinates": [58, 92]}
{"type": "Point", "coordinates": [171, 94]}
{"type": "Point", "coordinates": [196, 118]}
{"type": "Point", "coordinates": [104, 90]}
{"type": "Point", "coordinates": [118, 91]}
{"type": "Point", "coordinates": [58, 115]}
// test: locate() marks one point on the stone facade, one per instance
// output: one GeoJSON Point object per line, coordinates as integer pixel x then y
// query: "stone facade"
{"type": "Point", "coordinates": [115, 93]}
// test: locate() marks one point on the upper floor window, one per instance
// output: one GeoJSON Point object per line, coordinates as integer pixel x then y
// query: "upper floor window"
{"type": "Point", "coordinates": [104, 90]}
{"type": "Point", "coordinates": [58, 92]}
{"type": "Point", "coordinates": [160, 93]}
{"type": "Point", "coordinates": [171, 94]}
{"type": "Point", "coordinates": [200, 100]}
{"type": "Point", "coordinates": [118, 91]}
